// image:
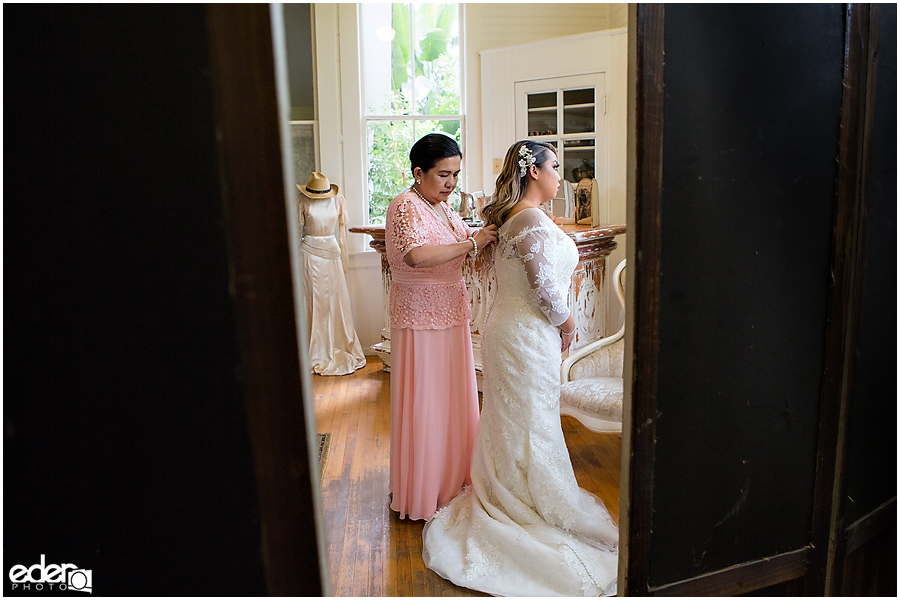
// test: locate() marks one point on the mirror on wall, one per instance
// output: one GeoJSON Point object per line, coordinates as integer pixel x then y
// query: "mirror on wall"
{"type": "Point", "coordinates": [301, 80]}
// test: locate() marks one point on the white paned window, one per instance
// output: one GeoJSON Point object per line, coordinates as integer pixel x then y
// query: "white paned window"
{"type": "Point", "coordinates": [411, 76]}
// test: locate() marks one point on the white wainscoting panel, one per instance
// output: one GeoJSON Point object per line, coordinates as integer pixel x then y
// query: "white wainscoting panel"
{"type": "Point", "coordinates": [601, 51]}
{"type": "Point", "coordinates": [364, 285]}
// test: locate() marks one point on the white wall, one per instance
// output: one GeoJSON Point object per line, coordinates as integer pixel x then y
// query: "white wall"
{"type": "Point", "coordinates": [515, 24]}
{"type": "Point", "coordinates": [618, 15]}
{"type": "Point", "coordinates": [339, 113]}
{"type": "Point", "coordinates": [472, 44]}
{"type": "Point", "coordinates": [490, 26]}
{"type": "Point", "coordinates": [618, 132]}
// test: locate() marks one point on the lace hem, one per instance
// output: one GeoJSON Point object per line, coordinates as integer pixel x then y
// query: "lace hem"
{"type": "Point", "coordinates": [429, 306]}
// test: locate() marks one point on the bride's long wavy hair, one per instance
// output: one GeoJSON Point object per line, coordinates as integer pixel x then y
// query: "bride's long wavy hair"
{"type": "Point", "coordinates": [511, 185]}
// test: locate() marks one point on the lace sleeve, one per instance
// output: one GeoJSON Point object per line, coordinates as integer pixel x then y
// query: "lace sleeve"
{"type": "Point", "coordinates": [404, 226]}
{"type": "Point", "coordinates": [538, 252]}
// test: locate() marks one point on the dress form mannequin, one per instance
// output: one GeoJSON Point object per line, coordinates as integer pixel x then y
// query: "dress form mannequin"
{"type": "Point", "coordinates": [334, 347]}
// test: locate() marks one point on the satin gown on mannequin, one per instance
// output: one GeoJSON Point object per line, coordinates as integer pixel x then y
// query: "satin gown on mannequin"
{"type": "Point", "coordinates": [334, 347]}
{"type": "Point", "coordinates": [524, 527]}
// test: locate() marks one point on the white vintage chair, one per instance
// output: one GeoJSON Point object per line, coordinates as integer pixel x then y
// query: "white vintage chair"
{"type": "Point", "coordinates": [592, 386]}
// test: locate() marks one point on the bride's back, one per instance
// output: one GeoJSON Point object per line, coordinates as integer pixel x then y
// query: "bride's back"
{"type": "Point", "coordinates": [531, 262]}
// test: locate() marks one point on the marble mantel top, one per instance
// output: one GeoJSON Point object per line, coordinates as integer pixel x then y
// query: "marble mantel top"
{"type": "Point", "coordinates": [586, 233]}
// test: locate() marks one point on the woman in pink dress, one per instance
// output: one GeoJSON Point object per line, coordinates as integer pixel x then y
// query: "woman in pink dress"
{"type": "Point", "coordinates": [434, 398]}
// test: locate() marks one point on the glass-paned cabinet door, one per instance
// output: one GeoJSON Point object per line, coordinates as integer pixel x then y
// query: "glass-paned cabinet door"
{"type": "Point", "coordinates": [542, 109]}
{"type": "Point", "coordinates": [569, 113]}
{"type": "Point", "coordinates": [578, 110]}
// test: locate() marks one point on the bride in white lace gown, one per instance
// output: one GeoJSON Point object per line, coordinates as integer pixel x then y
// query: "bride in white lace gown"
{"type": "Point", "coordinates": [524, 527]}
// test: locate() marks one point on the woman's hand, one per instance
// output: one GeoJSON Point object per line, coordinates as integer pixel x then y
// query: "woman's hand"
{"type": "Point", "coordinates": [567, 332]}
{"type": "Point", "coordinates": [485, 236]}
{"type": "Point", "coordinates": [431, 255]}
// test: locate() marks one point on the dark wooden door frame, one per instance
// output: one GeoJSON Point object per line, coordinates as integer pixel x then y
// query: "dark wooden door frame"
{"type": "Point", "coordinates": [828, 538]}
{"type": "Point", "coordinates": [829, 535]}
{"type": "Point", "coordinates": [245, 73]}
{"type": "Point", "coordinates": [644, 196]}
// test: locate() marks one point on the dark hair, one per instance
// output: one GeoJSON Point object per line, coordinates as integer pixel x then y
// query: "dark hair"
{"type": "Point", "coordinates": [430, 149]}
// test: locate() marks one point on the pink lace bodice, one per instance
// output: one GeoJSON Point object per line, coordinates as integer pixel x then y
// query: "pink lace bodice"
{"type": "Point", "coordinates": [424, 297]}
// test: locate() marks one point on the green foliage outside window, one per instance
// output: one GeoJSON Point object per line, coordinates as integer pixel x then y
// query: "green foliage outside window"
{"type": "Point", "coordinates": [434, 69]}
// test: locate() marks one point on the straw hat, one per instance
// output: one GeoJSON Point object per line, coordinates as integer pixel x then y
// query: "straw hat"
{"type": "Point", "coordinates": [317, 186]}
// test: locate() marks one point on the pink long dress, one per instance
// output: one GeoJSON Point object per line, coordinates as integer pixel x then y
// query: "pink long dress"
{"type": "Point", "coordinates": [434, 396]}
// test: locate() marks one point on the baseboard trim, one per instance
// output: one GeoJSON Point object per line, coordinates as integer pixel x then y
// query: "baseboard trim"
{"type": "Point", "coordinates": [864, 529]}
{"type": "Point", "coordinates": [742, 578]}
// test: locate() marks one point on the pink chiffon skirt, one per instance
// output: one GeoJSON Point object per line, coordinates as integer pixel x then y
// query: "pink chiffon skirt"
{"type": "Point", "coordinates": [434, 417]}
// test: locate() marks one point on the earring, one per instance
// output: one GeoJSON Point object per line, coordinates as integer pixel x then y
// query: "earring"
{"type": "Point", "coordinates": [418, 182]}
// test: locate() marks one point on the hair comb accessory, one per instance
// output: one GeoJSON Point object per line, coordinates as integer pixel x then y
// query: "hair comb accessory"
{"type": "Point", "coordinates": [526, 159]}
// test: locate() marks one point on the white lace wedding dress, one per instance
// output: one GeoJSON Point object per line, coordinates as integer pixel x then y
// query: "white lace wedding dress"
{"type": "Point", "coordinates": [524, 527]}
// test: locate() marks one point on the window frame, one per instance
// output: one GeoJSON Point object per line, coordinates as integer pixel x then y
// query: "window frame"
{"type": "Point", "coordinates": [366, 119]}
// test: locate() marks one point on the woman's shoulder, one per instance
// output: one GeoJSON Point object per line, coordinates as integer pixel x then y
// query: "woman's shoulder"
{"type": "Point", "coordinates": [527, 217]}
{"type": "Point", "coordinates": [401, 202]}
{"type": "Point", "coordinates": [405, 198]}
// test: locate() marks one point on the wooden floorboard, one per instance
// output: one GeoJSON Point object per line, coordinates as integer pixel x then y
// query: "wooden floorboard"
{"type": "Point", "coordinates": [371, 551]}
